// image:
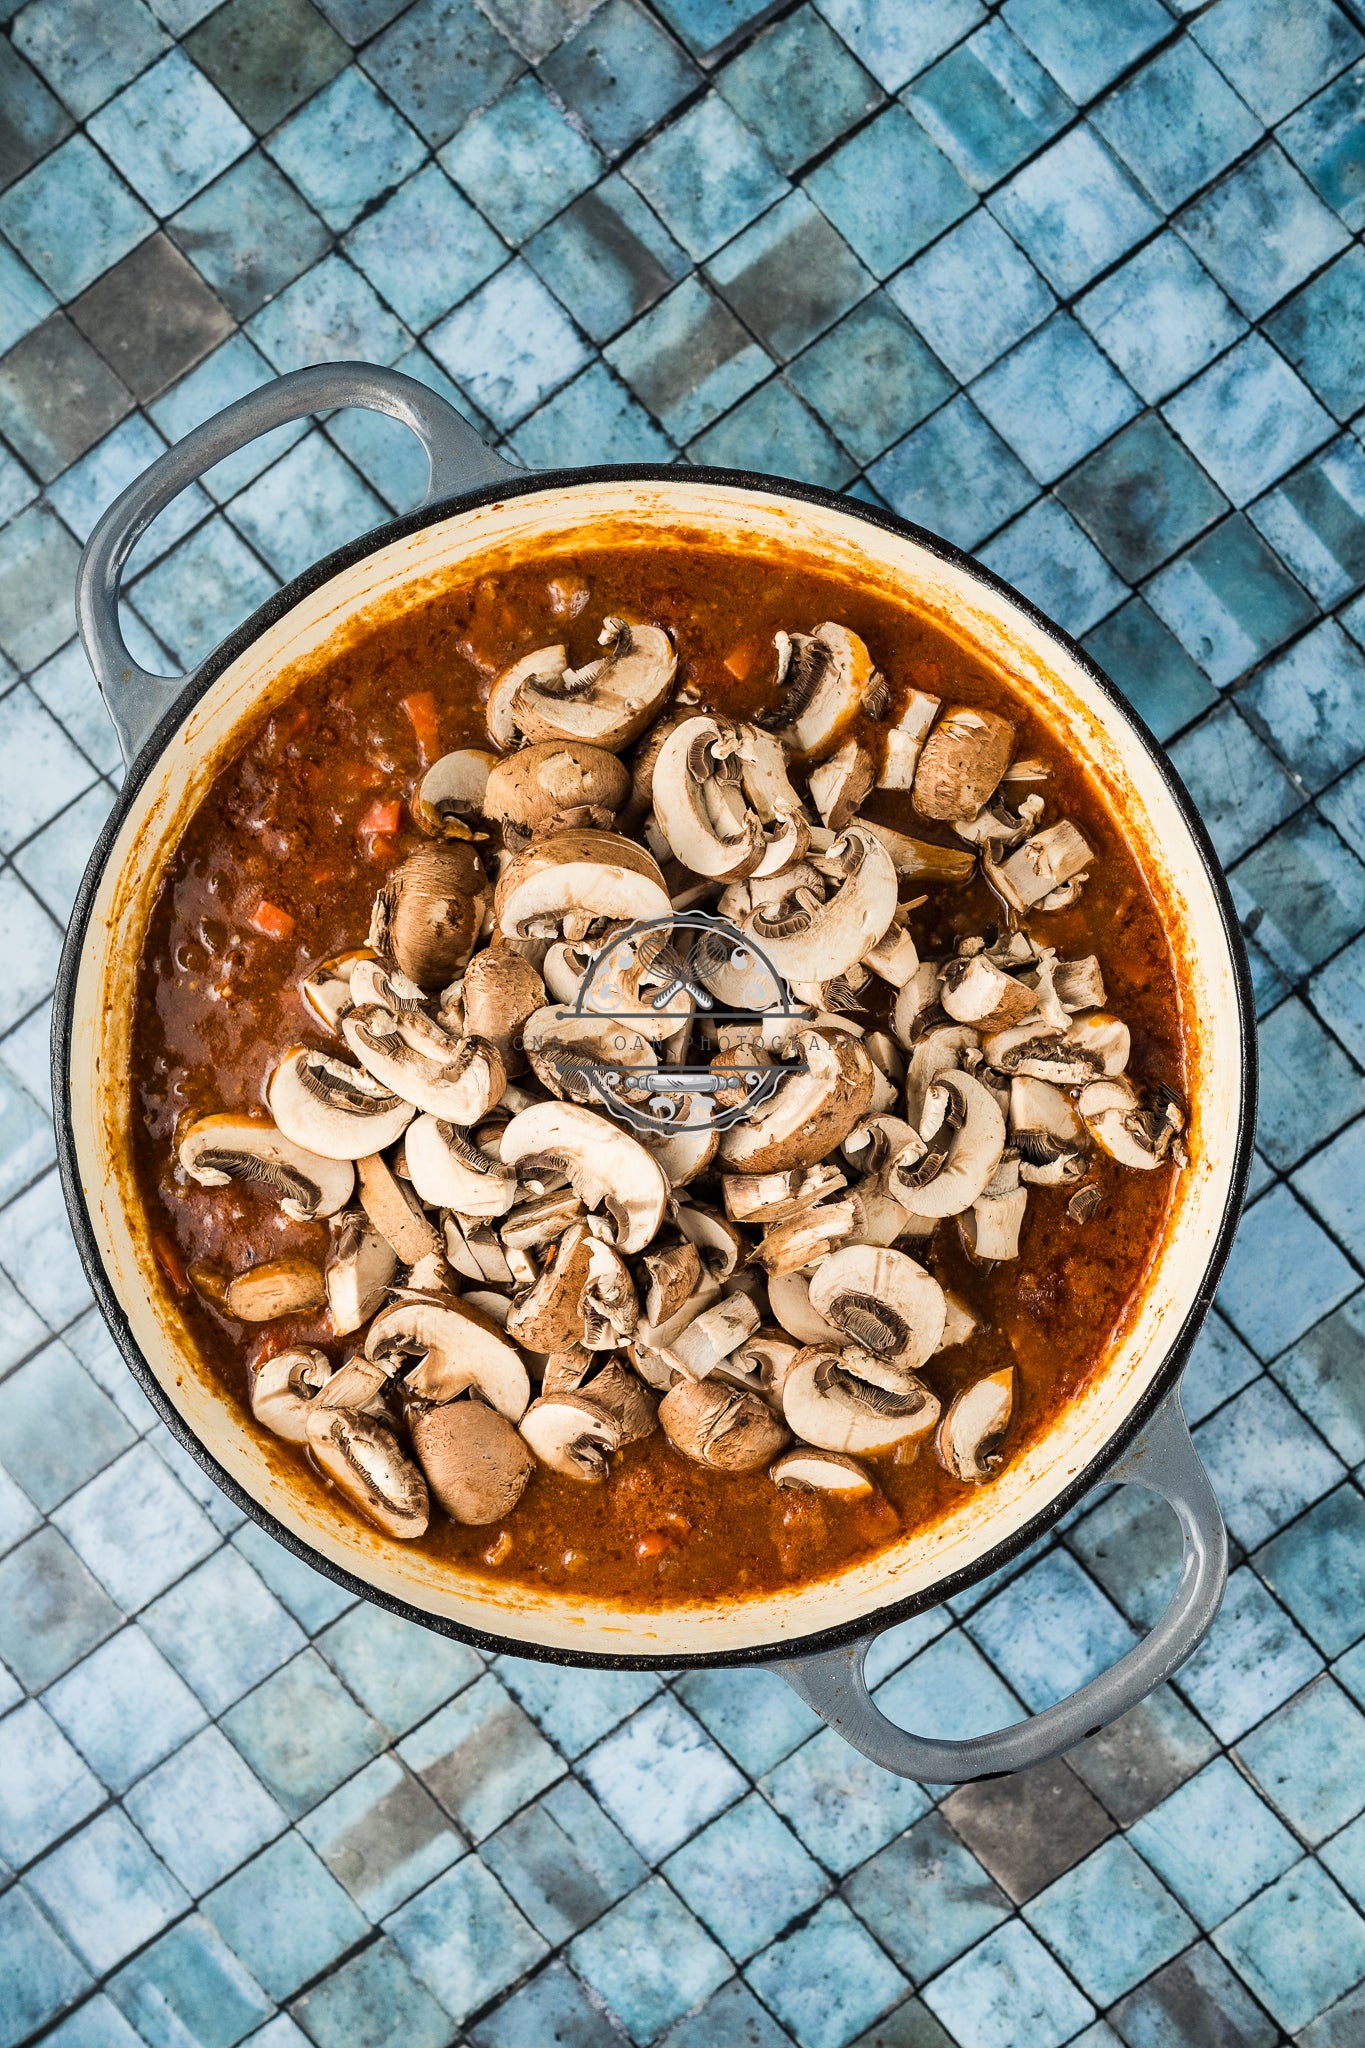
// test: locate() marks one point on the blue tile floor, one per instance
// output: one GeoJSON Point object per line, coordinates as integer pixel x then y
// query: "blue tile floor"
{"type": "Point", "coordinates": [1072, 281]}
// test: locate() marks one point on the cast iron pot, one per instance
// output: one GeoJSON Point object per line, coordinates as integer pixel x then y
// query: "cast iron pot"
{"type": "Point", "coordinates": [1126, 1425]}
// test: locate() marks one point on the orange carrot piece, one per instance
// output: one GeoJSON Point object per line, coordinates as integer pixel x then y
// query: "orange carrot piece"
{"type": "Point", "coordinates": [272, 922]}
{"type": "Point", "coordinates": [362, 775]}
{"type": "Point", "coordinates": [426, 724]}
{"type": "Point", "coordinates": [384, 816]}
{"type": "Point", "coordinates": [740, 660]}
{"type": "Point", "coordinates": [168, 1257]}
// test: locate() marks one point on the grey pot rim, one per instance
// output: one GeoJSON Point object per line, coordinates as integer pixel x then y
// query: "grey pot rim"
{"type": "Point", "coordinates": [111, 1309]}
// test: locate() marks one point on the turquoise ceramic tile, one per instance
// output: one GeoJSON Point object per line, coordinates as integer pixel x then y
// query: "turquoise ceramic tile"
{"type": "Point", "coordinates": [889, 191]}
{"type": "Point", "coordinates": [1324, 140]}
{"type": "Point", "coordinates": [575, 1708]}
{"type": "Point", "coordinates": [827, 1980]}
{"type": "Point", "coordinates": [988, 105]}
{"type": "Point", "coordinates": [1008, 1976]}
{"type": "Point", "coordinates": [481, 1757]}
{"type": "Point", "coordinates": [1309, 1760]}
{"type": "Point", "coordinates": [24, 303]}
{"type": "Point", "coordinates": [202, 590]}
{"type": "Point", "coordinates": [37, 565]}
{"type": "Point", "coordinates": [106, 1891]}
{"type": "Point", "coordinates": [1253, 1660]}
{"type": "Point", "coordinates": [796, 85]}
{"type": "Point", "coordinates": [400, 1672]}
{"type": "Point", "coordinates": [284, 1949]}
{"type": "Point", "coordinates": [1160, 317]}
{"type": "Point", "coordinates": [1215, 1843]}
{"type": "Point", "coordinates": [658, 1816]}
{"type": "Point", "coordinates": [1324, 1374]}
{"type": "Point", "coordinates": [1110, 1920]}
{"type": "Point", "coordinates": [40, 1974]}
{"type": "Point", "coordinates": [1176, 124]}
{"type": "Point", "coordinates": [1151, 668]}
{"type": "Point", "coordinates": [1330, 1183]}
{"type": "Point", "coordinates": [594, 419]}
{"type": "Point", "coordinates": [346, 147]}
{"type": "Point", "coordinates": [1298, 1946]}
{"type": "Point", "coordinates": [752, 1714]}
{"type": "Point", "coordinates": [843, 1806]}
{"type": "Point", "coordinates": [1197, 1997]}
{"type": "Point", "coordinates": [51, 1610]}
{"type": "Point", "coordinates": [204, 1812]}
{"type": "Point", "coordinates": [948, 1690]}
{"type": "Point", "coordinates": [435, 96]}
{"type": "Point", "coordinates": [509, 346]}
{"type": "Point", "coordinates": [1140, 498]}
{"type": "Point", "coordinates": [1297, 1260]}
{"type": "Point", "coordinates": [1048, 560]}
{"type": "Point", "coordinates": [706, 176]}
{"type": "Point", "coordinates": [425, 249]}
{"type": "Point", "coordinates": [45, 1787]}
{"type": "Point", "coordinates": [553, 2007]}
{"type": "Point", "coordinates": [302, 1733]}
{"type": "Point", "coordinates": [41, 772]}
{"type": "Point", "coordinates": [136, 1527]}
{"type": "Point", "coordinates": [746, 1877]}
{"type": "Point", "coordinates": [310, 502]}
{"type": "Point", "coordinates": [1085, 46]}
{"type": "Point", "coordinates": [96, 2024]}
{"type": "Point", "coordinates": [1074, 211]}
{"type": "Point", "coordinates": [1307, 860]}
{"type": "Point", "coordinates": [773, 431]}
{"type": "Point", "coordinates": [1051, 1631]}
{"type": "Point", "coordinates": [222, 1629]}
{"type": "Point", "coordinates": [608, 258]}
{"type": "Point", "coordinates": [521, 162]}
{"type": "Point", "coordinates": [124, 1708]}
{"type": "Point", "coordinates": [1292, 1044]}
{"type": "Point", "coordinates": [311, 1599]}
{"type": "Point", "coordinates": [973, 295]}
{"type": "Point", "coordinates": [374, 1990]}
{"type": "Point", "coordinates": [954, 475]}
{"type": "Point", "coordinates": [1310, 703]}
{"type": "Point", "coordinates": [1277, 52]}
{"type": "Point", "coordinates": [249, 234]}
{"type": "Point", "coordinates": [1054, 399]}
{"type": "Point", "coordinates": [563, 1861]}
{"type": "Point", "coordinates": [1130, 1543]}
{"type": "Point", "coordinates": [190, 1985]}
{"type": "Point", "coordinates": [1315, 521]}
{"type": "Point", "coordinates": [382, 1836]}
{"type": "Point", "coordinates": [72, 217]}
{"type": "Point", "coordinates": [170, 133]}
{"type": "Point", "coordinates": [897, 38]}
{"type": "Point", "coordinates": [1318, 331]}
{"type": "Point", "coordinates": [86, 53]}
{"type": "Point", "coordinates": [1226, 228]}
{"type": "Point", "coordinates": [870, 377]}
{"type": "Point", "coordinates": [688, 360]}
{"type": "Point", "coordinates": [464, 1938]}
{"type": "Point", "coordinates": [328, 315]}
{"type": "Point", "coordinates": [649, 1959]}
{"type": "Point", "coordinates": [621, 75]}
{"type": "Point", "coordinates": [1229, 601]}
{"type": "Point", "coordinates": [1248, 419]}
{"type": "Point", "coordinates": [926, 1898]}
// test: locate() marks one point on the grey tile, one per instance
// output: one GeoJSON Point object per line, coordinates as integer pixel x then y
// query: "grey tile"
{"type": "Point", "coordinates": [57, 397]}
{"type": "Point", "coordinates": [152, 317]}
{"type": "Point", "coordinates": [1029, 1828]}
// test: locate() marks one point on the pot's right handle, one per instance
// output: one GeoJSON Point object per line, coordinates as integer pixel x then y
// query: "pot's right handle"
{"type": "Point", "coordinates": [1163, 1459]}
{"type": "Point", "coordinates": [457, 461]}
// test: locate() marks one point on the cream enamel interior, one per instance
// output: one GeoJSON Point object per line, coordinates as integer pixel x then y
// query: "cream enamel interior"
{"type": "Point", "coordinates": [388, 581]}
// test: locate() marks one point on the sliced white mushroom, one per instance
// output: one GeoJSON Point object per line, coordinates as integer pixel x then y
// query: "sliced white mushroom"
{"type": "Point", "coordinates": [475, 1462]}
{"type": "Point", "coordinates": [395, 1211]}
{"type": "Point", "coordinates": [282, 1390]}
{"type": "Point", "coordinates": [565, 885]}
{"type": "Point", "coordinates": [974, 990]}
{"type": "Point", "coordinates": [774, 1197]}
{"type": "Point", "coordinates": [961, 762]}
{"type": "Point", "coordinates": [830, 1401]}
{"type": "Point", "coordinates": [920, 860]}
{"type": "Point", "coordinates": [378, 981]}
{"type": "Point", "coordinates": [449, 1171]}
{"type": "Point", "coordinates": [572, 1435]}
{"type": "Point", "coordinates": [1049, 1136]}
{"type": "Point", "coordinates": [547, 663]}
{"type": "Point", "coordinates": [455, 1349]}
{"type": "Point", "coordinates": [428, 913]}
{"type": "Point", "coordinates": [556, 779]}
{"type": "Point", "coordinates": [225, 1147]}
{"type": "Point", "coordinates": [810, 1113]}
{"type": "Point", "coordinates": [883, 1301]}
{"type": "Point", "coordinates": [333, 1108]}
{"type": "Point", "coordinates": [1079, 984]}
{"type": "Point", "coordinates": [838, 786]}
{"type": "Point", "coordinates": [610, 701]}
{"type": "Point", "coordinates": [700, 801]}
{"type": "Point", "coordinates": [963, 1135]}
{"type": "Point", "coordinates": [721, 1426]}
{"type": "Point", "coordinates": [449, 799]}
{"type": "Point", "coordinates": [1116, 1120]}
{"type": "Point", "coordinates": [365, 1461]}
{"type": "Point", "coordinates": [763, 771]}
{"type": "Point", "coordinates": [895, 957]}
{"type": "Point", "coordinates": [823, 679]}
{"type": "Point", "coordinates": [326, 989]}
{"type": "Point", "coordinates": [990, 1228]}
{"type": "Point", "coordinates": [905, 740]}
{"type": "Point", "coordinates": [1102, 1037]}
{"type": "Point", "coordinates": [713, 1335]}
{"type": "Point", "coordinates": [789, 1300]}
{"type": "Point", "coordinates": [359, 1271]}
{"type": "Point", "coordinates": [937, 1050]}
{"type": "Point", "coordinates": [811, 940]}
{"type": "Point", "coordinates": [456, 1079]}
{"type": "Point", "coordinates": [969, 1438]}
{"type": "Point", "coordinates": [605, 1165]}
{"type": "Point", "coordinates": [685, 1152]}
{"type": "Point", "coordinates": [1041, 865]}
{"type": "Point", "coordinates": [1040, 1052]}
{"type": "Point", "coordinates": [805, 1470]}
{"type": "Point", "coordinates": [961, 1321]}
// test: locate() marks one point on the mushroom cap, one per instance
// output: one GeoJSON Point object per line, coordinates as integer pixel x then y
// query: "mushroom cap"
{"type": "Point", "coordinates": [684, 1154]}
{"type": "Point", "coordinates": [625, 1398]}
{"type": "Point", "coordinates": [829, 1403]}
{"type": "Point", "coordinates": [812, 1471]}
{"type": "Point", "coordinates": [475, 1462]}
{"type": "Point", "coordinates": [817, 941]}
{"type": "Point", "coordinates": [968, 1440]}
{"type": "Point", "coordinates": [502, 696]}
{"type": "Point", "coordinates": [838, 785]}
{"type": "Point", "coordinates": [288, 1286]}
{"type": "Point", "coordinates": [456, 1349]}
{"type": "Point", "coordinates": [501, 990]}
{"type": "Point", "coordinates": [428, 912]}
{"type": "Point", "coordinates": [554, 775]}
{"type": "Point", "coordinates": [359, 1271]}
{"type": "Point", "coordinates": [224, 1147]}
{"type": "Point", "coordinates": [824, 677]}
{"type": "Point", "coordinates": [282, 1389]}
{"type": "Point", "coordinates": [572, 1435]}
{"type": "Point", "coordinates": [378, 981]}
{"type": "Point", "coordinates": [366, 1462]}
{"type": "Point", "coordinates": [612, 700]}
{"type": "Point", "coordinates": [699, 801]}
{"type": "Point", "coordinates": [881, 1300]}
{"type": "Point", "coordinates": [1109, 1110]}
{"type": "Point", "coordinates": [606, 1166]}
{"type": "Point", "coordinates": [549, 1316]}
{"type": "Point", "coordinates": [333, 1108]}
{"type": "Point", "coordinates": [720, 1425]}
{"type": "Point", "coordinates": [970, 1129]}
{"type": "Point", "coordinates": [589, 875]}
{"type": "Point", "coordinates": [449, 1171]}
{"type": "Point", "coordinates": [395, 1212]}
{"type": "Point", "coordinates": [458, 1079]}
{"type": "Point", "coordinates": [810, 1114]}
{"type": "Point", "coordinates": [961, 763]}
{"type": "Point", "coordinates": [451, 792]}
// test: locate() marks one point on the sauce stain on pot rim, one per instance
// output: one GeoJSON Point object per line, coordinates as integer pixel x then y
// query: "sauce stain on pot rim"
{"type": "Point", "coordinates": [391, 574]}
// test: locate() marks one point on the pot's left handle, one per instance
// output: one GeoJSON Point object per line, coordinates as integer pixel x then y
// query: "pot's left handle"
{"type": "Point", "coordinates": [457, 461]}
{"type": "Point", "coordinates": [1163, 1459]}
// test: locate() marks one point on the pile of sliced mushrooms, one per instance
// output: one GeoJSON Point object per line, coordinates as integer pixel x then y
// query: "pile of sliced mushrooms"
{"type": "Point", "coordinates": [520, 1278]}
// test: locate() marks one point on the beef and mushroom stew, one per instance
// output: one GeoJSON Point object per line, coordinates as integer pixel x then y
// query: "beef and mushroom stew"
{"type": "Point", "coordinates": [727, 1295]}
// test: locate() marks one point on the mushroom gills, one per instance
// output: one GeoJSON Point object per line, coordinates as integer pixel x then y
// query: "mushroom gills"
{"type": "Point", "coordinates": [969, 1438]}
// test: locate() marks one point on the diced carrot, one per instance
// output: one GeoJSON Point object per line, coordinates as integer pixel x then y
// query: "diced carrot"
{"type": "Point", "coordinates": [272, 922]}
{"type": "Point", "coordinates": [167, 1255]}
{"type": "Point", "coordinates": [655, 1543]}
{"type": "Point", "coordinates": [324, 874]}
{"type": "Point", "coordinates": [740, 660]}
{"type": "Point", "coordinates": [381, 847]}
{"type": "Point", "coordinates": [426, 724]}
{"type": "Point", "coordinates": [362, 775]}
{"type": "Point", "coordinates": [383, 816]}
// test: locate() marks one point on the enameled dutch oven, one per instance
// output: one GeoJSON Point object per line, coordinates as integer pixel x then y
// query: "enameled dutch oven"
{"type": "Point", "coordinates": [1126, 1425]}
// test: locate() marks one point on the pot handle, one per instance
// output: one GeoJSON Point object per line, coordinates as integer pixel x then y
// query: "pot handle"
{"type": "Point", "coordinates": [458, 460]}
{"type": "Point", "coordinates": [1163, 1459]}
